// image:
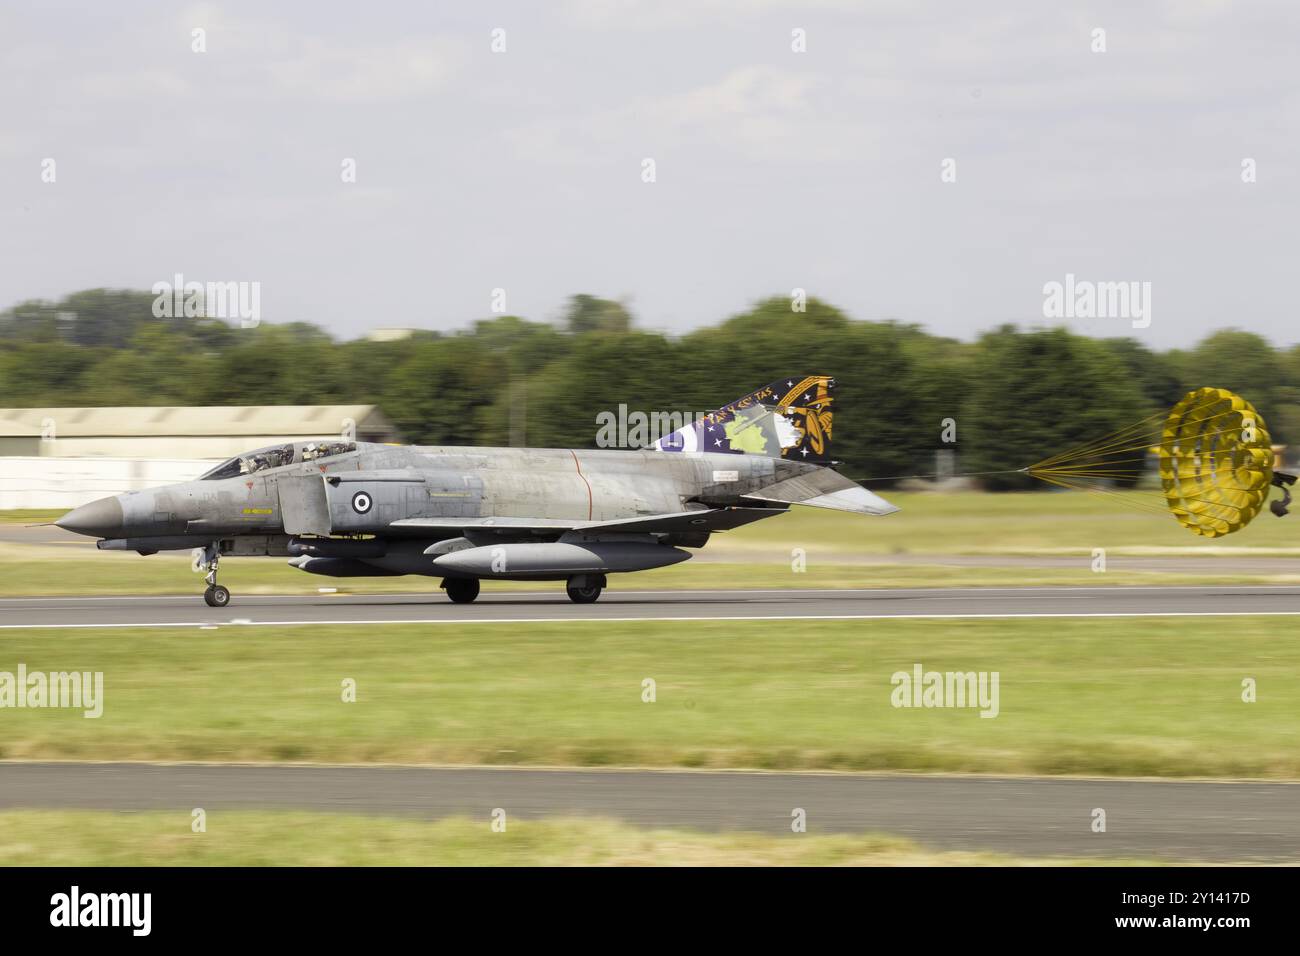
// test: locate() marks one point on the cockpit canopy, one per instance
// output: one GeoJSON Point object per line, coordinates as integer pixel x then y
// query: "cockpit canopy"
{"type": "Point", "coordinates": [276, 456]}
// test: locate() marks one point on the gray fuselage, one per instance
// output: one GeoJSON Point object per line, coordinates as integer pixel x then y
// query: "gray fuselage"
{"type": "Point", "coordinates": [412, 497]}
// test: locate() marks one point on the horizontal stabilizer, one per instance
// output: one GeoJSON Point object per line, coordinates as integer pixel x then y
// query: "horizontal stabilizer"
{"type": "Point", "coordinates": [825, 488]}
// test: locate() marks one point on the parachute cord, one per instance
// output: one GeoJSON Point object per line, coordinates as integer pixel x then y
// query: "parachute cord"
{"type": "Point", "coordinates": [1127, 433]}
{"type": "Point", "coordinates": [1106, 495]}
{"type": "Point", "coordinates": [964, 474]}
{"type": "Point", "coordinates": [1153, 437]}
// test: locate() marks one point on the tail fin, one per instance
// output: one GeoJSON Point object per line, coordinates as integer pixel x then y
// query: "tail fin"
{"type": "Point", "coordinates": [790, 419]}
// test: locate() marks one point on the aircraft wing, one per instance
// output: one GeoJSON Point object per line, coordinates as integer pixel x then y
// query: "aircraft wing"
{"type": "Point", "coordinates": [712, 519]}
{"type": "Point", "coordinates": [709, 519]}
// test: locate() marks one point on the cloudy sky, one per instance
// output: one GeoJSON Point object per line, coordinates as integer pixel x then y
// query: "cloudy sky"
{"type": "Point", "coordinates": [774, 169]}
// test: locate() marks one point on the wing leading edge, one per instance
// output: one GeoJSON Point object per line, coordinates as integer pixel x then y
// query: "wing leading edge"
{"type": "Point", "coordinates": [710, 519]}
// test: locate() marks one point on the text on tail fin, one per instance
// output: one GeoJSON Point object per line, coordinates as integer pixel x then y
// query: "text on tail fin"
{"type": "Point", "coordinates": [790, 418]}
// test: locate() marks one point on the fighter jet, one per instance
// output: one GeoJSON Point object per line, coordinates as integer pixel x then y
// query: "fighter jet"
{"type": "Point", "coordinates": [344, 508]}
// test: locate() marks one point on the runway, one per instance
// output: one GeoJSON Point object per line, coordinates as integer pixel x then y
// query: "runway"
{"type": "Point", "coordinates": [1029, 816]}
{"type": "Point", "coordinates": [432, 607]}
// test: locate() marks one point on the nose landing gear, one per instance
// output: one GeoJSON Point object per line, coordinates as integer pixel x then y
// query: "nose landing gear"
{"type": "Point", "coordinates": [215, 595]}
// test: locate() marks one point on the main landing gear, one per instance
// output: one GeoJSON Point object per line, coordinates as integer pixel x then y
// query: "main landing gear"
{"type": "Point", "coordinates": [461, 590]}
{"type": "Point", "coordinates": [585, 588]}
{"type": "Point", "coordinates": [582, 588]}
{"type": "Point", "coordinates": [215, 595]}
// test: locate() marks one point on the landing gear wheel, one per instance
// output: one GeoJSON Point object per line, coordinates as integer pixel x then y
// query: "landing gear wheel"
{"type": "Point", "coordinates": [215, 595]}
{"type": "Point", "coordinates": [584, 590]}
{"type": "Point", "coordinates": [461, 590]}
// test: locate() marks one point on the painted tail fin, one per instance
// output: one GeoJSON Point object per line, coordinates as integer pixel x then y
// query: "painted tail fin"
{"type": "Point", "coordinates": [790, 418]}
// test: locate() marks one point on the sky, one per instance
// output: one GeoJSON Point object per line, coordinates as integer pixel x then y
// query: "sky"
{"type": "Point", "coordinates": [933, 162]}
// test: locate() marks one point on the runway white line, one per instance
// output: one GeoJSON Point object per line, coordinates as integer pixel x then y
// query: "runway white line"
{"type": "Point", "coordinates": [546, 595]}
{"type": "Point", "coordinates": [656, 620]}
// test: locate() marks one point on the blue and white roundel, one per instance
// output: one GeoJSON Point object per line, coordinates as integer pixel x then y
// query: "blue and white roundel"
{"type": "Point", "coordinates": [361, 502]}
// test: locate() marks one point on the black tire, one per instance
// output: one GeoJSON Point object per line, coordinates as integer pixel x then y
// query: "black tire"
{"type": "Point", "coordinates": [584, 595]}
{"type": "Point", "coordinates": [461, 590]}
{"type": "Point", "coordinates": [216, 596]}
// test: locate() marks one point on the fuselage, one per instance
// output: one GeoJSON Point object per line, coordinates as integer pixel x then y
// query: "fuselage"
{"type": "Point", "coordinates": [372, 489]}
{"type": "Point", "coordinates": [346, 509]}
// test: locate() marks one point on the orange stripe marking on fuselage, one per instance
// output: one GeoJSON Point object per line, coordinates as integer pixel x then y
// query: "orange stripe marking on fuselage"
{"type": "Point", "coordinates": [577, 464]}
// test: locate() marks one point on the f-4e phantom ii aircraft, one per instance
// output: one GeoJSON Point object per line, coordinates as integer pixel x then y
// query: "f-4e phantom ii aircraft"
{"type": "Point", "coordinates": [355, 509]}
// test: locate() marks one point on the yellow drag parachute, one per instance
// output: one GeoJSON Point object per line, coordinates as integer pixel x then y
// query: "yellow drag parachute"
{"type": "Point", "coordinates": [1216, 462]}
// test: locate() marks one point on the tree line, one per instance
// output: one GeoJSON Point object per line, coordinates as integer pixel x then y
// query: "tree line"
{"type": "Point", "coordinates": [1013, 396]}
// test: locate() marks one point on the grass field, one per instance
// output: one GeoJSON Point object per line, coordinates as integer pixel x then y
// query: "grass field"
{"type": "Point", "coordinates": [1150, 696]}
{"type": "Point", "coordinates": [246, 838]}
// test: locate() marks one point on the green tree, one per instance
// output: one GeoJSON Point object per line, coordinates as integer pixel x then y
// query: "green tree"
{"type": "Point", "coordinates": [435, 396]}
{"type": "Point", "coordinates": [1037, 393]}
{"type": "Point", "coordinates": [589, 313]}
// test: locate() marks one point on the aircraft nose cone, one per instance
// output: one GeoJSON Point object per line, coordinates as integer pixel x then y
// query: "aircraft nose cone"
{"type": "Point", "coordinates": [101, 518]}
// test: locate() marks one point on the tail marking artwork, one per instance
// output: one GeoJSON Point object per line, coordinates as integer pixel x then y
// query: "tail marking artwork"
{"type": "Point", "coordinates": [790, 418]}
